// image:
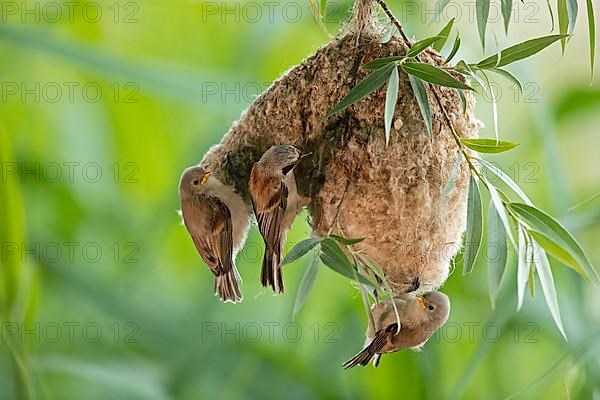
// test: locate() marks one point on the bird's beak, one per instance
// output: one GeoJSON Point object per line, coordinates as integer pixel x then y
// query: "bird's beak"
{"type": "Point", "coordinates": [422, 302]}
{"type": "Point", "coordinates": [205, 178]}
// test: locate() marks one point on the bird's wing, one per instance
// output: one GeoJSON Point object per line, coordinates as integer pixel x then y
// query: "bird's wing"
{"type": "Point", "coordinates": [270, 215]}
{"type": "Point", "coordinates": [209, 224]}
{"type": "Point", "coordinates": [382, 337]}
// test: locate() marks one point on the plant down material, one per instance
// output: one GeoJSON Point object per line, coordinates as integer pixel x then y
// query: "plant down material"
{"type": "Point", "coordinates": [407, 199]}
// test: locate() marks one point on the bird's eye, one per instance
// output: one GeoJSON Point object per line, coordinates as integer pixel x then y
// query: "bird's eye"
{"type": "Point", "coordinates": [431, 307]}
{"type": "Point", "coordinates": [196, 182]}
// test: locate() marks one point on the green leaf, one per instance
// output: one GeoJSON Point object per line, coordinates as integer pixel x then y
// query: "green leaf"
{"type": "Point", "coordinates": [506, 6]}
{"type": "Point", "coordinates": [572, 10]}
{"type": "Point", "coordinates": [463, 100]}
{"type": "Point", "coordinates": [323, 9]}
{"type": "Point", "coordinates": [489, 146]}
{"type": "Point", "coordinates": [519, 51]}
{"type": "Point", "coordinates": [548, 288]}
{"type": "Point", "coordinates": [433, 74]}
{"type": "Point", "coordinates": [346, 241]}
{"type": "Point", "coordinates": [306, 285]}
{"type": "Point", "coordinates": [474, 226]}
{"type": "Point", "coordinates": [454, 50]}
{"type": "Point", "coordinates": [490, 90]}
{"type": "Point", "coordinates": [421, 45]}
{"type": "Point", "coordinates": [591, 34]}
{"type": "Point", "coordinates": [555, 232]}
{"type": "Point", "coordinates": [495, 198]}
{"type": "Point", "coordinates": [422, 101]}
{"type": "Point", "coordinates": [443, 35]}
{"type": "Point", "coordinates": [364, 88]}
{"type": "Point", "coordinates": [552, 248]}
{"type": "Point", "coordinates": [381, 62]}
{"type": "Point", "coordinates": [523, 265]}
{"type": "Point", "coordinates": [300, 249]}
{"type": "Point", "coordinates": [496, 262]}
{"type": "Point", "coordinates": [510, 77]}
{"type": "Point", "coordinates": [334, 258]}
{"type": "Point", "coordinates": [563, 21]}
{"type": "Point", "coordinates": [391, 97]}
{"type": "Point", "coordinates": [482, 7]}
{"type": "Point", "coordinates": [506, 179]}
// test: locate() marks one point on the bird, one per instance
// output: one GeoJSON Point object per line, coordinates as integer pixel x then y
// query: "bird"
{"type": "Point", "coordinates": [217, 219]}
{"type": "Point", "coordinates": [419, 318]}
{"type": "Point", "coordinates": [276, 203]}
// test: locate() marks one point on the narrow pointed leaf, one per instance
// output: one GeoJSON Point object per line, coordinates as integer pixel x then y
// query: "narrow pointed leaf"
{"type": "Point", "coordinates": [482, 8]}
{"type": "Point", "coordinates": [572, 10]}
{"type": "Point", "coordinates": [334, 258]}
{"type": "Point", "coordinates": [433, 74]}
{"type": "Point", "coordinates": [422, 101]}
{"type": "Point", "coordinates": [591, 34]}
{"type": "Point", "coordinates": [421, 45]}
{"type": "Point", "coordinates": [510, 77]}
{"type": "Point", "coordinates": [523, 265]}
{"type": "Point", "coordinates": [519, 51]}
{"type": "Point", "coordinates": [381, 62]}
{"type": "Point", "coordinates": [391, 97]}
{"type": "Point", "coordinates": [454, 50]}
{"type": "Point", "coordinates": [474, 226]}
{"type": "Point", "coordinates": [506, 179]}
{"type": "Point", "coordinates": [443, 35]}
{"type": "Point", "coordinates": [299, 250]}
{"type": "Point", "coordinates": [555, 250]}
{"type": "Point", "coordinates": [489, 146]}
{"type": "Point", "coordinates": [346, 241]}
{"type": "Point", "coordinates": [506, 6]}
{"type": "Point", "coordinates": [463, 100]}
{"type": "Point", "coordinates": [497, 252]}
{"type": "Point", "coordinates": [306, 285]}
{"type": "Point", "coordinates": [364, 88]}
{"type": "Point", "coordinates": [555, 232]}
{"type": "Point", "coordinates": [490, 90]}
{"type": "Point", "coordinates": [563, 21]}
{"type": "Point", "coordinates": [547, 281]}
{"type": "Point", "coordinates": [495, 198]}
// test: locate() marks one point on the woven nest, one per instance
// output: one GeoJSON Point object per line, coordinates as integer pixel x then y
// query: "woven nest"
{"type": "Point", "coordinates": [395, 196]}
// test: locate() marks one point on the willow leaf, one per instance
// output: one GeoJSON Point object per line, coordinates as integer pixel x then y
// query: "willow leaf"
{"type": "Point", "coordinates": [422, 101]}
{"type": "Point", "coordinates": [364, 88]}
{"type": "Point", "coordinates": [433, 74]}
{"type": "Point", "coordinates": [496, 262]}
{"type": "Point", "coordinates": [391, 97]}
{"type": "Point", "coordinates": [443, 35]}
{"type": "Point", "coordinates": [482, 8]}
{"type": "Point", "coordinates": [474, 226]}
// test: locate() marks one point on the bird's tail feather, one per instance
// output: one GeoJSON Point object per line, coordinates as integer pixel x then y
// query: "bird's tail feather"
{"type": "Point", "coordinates": [271, 271]}
{"type": "Point", "coordinates": [227, 287]}
{"type": "Point", "coordinates": [362, 358]}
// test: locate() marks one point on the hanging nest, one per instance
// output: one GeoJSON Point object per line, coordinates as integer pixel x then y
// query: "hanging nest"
{"type": "Point", "coordinates": [397, 196]}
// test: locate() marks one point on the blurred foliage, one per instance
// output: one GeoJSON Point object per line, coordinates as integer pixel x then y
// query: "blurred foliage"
{"type": "Point", "coordinates": [142, 316]}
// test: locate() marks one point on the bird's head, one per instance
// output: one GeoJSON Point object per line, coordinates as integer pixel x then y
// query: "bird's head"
{"type": "Point", "coordinates": [437, 306]}
{"type": "Point", "coordinates": [282, 158]}
{"type": "Point", "coordinates": [193, 181]}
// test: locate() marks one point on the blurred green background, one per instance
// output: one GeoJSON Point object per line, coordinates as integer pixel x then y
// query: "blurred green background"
{"type": "Point", "coordinates": [102, 292]}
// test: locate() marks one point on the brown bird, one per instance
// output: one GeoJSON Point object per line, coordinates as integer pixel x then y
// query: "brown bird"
{"type": "Point", "coordinates": [420, 317]}
{"type": "Point", "coordinates": [217, 219]}
{"type": "Point", "coordinates": [276, 203]}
